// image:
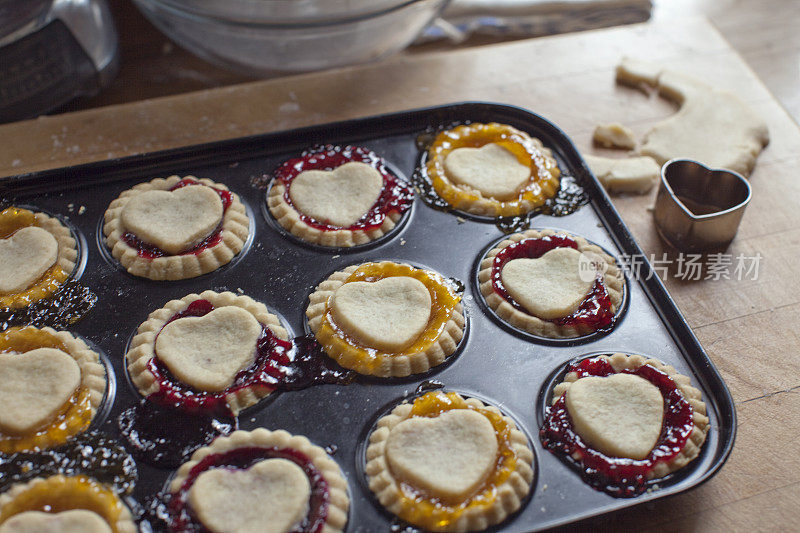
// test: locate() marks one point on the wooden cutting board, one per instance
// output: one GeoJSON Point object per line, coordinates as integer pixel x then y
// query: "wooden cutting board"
{"type": "Point", "coordinates": [749, 327]}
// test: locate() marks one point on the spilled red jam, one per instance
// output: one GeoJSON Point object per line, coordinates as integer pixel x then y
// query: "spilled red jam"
{"type": "Point", "coordinates": [619, 476]}
{"type": "Point", "coordinates": [167, 439]}
{"type": "Point", "coordinates": [182, 519]}
{"type": "Point", "coordinates": [269, 367]}
{"type": "Point", "coordinates": [596, 310]}
{"type": "Point", "coordinates": [396, 195]}
{"type": "Point", "coordinates": [149, 251]}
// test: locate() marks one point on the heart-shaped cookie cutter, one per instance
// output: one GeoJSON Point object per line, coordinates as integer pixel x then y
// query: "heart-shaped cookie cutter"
{"type": "Point", "coordinates": [697, 208]}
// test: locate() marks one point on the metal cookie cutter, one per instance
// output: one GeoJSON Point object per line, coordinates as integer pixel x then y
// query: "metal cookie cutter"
{"type": "Point", "coordinates": [698, 208]}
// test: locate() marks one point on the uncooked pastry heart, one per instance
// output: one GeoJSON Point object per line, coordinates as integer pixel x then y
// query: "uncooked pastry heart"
{"type": "Point", "coordinates": [34, 387]}
{"type": "Point", "coordinates": [72, 521]}
{"type": "Point", "coordinates": [208, 352]}
{"type": "Point", "coordinates": [490, 169]}
{"type": "Point", "coordinates": [388, 314]}
{"type": "Point", "coordinates": [448, 456]}
{"type": "Point", "coordinates": [551, 286]}
{"type": "Point", "coordinates": [269, 497]}
{"type": "Point", "coordinates": [620, 415]}
{"type": "Point", "coordinates": [339, 197]}
{"type": "Point", "coordinates": [173, 221]}
{"type": "Point", "coordinates": [25, 257]}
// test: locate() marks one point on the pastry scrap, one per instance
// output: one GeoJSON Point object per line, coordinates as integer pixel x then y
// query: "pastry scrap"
{"type": "Point", "coordinates": [63, 504]}
{"type": "Point", "coordinates": [338, 197]}
{"type": "Point", "coordinates": [386, 319]}
{"type": "Point", "coordinates": [712, 126]}
{"type": "Point", "coordinates": [52, 386]}
{"type": "Point", "coordinates": [625, 420]}
{"type": "Point", "coordinates": [37, 255]}
{"type": "Point", "coordinates": [552, 284]}
{"type": "Point", "coordinates": [491, 170]}
{"type": "Point", "coordinates": [176, 228]}
{"type": "Point", "coordinates": [614, 136]}
{"type": "Point", "coordinates": [255, 481]}
{"type": "Point", "coordinates": [208, 353]}
{"type": "Point", "coordinates": [446, 463]}
{"type": "Point", "coordinates": [627, 175]}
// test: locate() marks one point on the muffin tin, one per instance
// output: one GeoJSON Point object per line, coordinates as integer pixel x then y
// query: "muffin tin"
{"type": "Point", "coordinates": [495, 363]}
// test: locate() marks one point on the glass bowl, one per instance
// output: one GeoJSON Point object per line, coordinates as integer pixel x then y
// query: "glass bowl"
{"type": "Point", "coordinates": [270, 37]}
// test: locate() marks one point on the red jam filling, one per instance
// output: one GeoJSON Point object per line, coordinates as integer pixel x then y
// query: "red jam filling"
{"type": "Point", "coordinates": [596, 309]}
{"type": "Point", "coordinates": [619, 476]}
{"type": "Point", "coordinates": [396, 195]}
{"type": "Point", "coordinates": [150, 251]}
{"type": "Point", "coordinates": [182, 519]}
{"type": "Point", "coordinates": [270, 367]}
{"type": "Point", "coordinates": [279, 365]}
{"type": "Point", "coordinates": [166, 438]}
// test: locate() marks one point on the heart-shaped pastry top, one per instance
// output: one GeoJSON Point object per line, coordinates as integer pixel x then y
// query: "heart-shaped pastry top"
{"type": "Point", "coordinates": [173, 221]}
{"type": "Point", "coordinates": [491, 169]}
{"type": "Point", "coordinates": [34, 387]}
{"type": "Point", "coordinates": [387, 315]}
{"type": "Point", "coordinates": [24, 257]}
{"type": "Point", "coordinates": [269, 497]}
{"type": "Point", "coordinates": [551, 286]}
{"type": "Point", "coordinates": [449, 456]}
{"type": "Point", "coordinates": [620, 415]}
{"type": "Point", "coordinates": [208, 352]}
{"type": "Point", "coordinates": [72, 521]}
{"type": "Point", "coordinates": [339, 197]}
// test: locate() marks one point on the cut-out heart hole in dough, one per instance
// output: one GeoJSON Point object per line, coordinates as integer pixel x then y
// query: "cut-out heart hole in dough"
{"type": "Point", "coordinates": [551, 286]}
{"type": "Point", "coordinates": [491, 169]}
{"type": "Point", "coordinates": [713, 126]}
{"type": "Point", "coordinates": [72, 521]}
{"type": "Point", "coordinates": [339, 197]}
{"type": "Point", "coordinates": [620, 415]}
{"type": "Point", "coordinates": [208, 352]}
{"type": "Point", "coordinates": [173, 221]}
{"type": "Point", "coordinates": [388, 314]}
{"type": "Point", "coordinates": [34, 387]}
{"type": "Point", "coordinates": [269, 497]}
{"type": "Point", "coordinates": [25, 257]}
{"type": "Point", "coordinates": [449, 456]}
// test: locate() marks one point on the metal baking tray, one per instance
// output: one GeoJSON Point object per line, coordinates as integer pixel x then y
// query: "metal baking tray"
{"type": "Point", "coordinates": [510, 370]}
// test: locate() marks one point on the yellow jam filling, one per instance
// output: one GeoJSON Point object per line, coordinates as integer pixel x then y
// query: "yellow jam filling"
{"type": "Point", "coordinates": [13, 219]}
{"type": "Point", "coordinates": [543, 183]}
{"type": "Point", "coordinates": [58, 493]}
{"type": "Point", "coordinates": [348, 352]}
{"type": "Point", "coordinates": [432, 513]}
{"type": "Point", "coordinates": [73, 418]}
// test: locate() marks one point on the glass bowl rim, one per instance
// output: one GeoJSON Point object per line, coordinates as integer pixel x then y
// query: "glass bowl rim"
{"type": "Point", "coordinates": [249, 13]}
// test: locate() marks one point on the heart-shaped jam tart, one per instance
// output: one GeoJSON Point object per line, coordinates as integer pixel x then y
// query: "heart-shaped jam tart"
{"type": "Point", "coordinates": [620, 415]}
{"type": "Point", "coordinates": [35, 386]}
{"type": "Point", "coordinates": [339, 197]}
{"type": "Point", "coordinates": [270, 496]}
{"type": "Point", "coordinates": [448, 456]}
{"type": "Point", "coordinates": [388, 314]}
{"type": "Point", "coordinates": [551, 286]}
{"type": "Point", "coordinates": [491, 169]}
{"type": "Point", "coordinates": [173, 221]}
{"type": "Point", "coordinates": [24, 257]}
{"type": "Point", "coordinates": [72, 521]}
{"type": "Point", "coordinates": [208, 352]}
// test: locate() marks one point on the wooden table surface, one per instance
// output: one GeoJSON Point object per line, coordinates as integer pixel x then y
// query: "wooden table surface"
{"type": "Point", "coordinates": [747, 326]}
{"type": "Point", "coordinates": [763, 32]}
